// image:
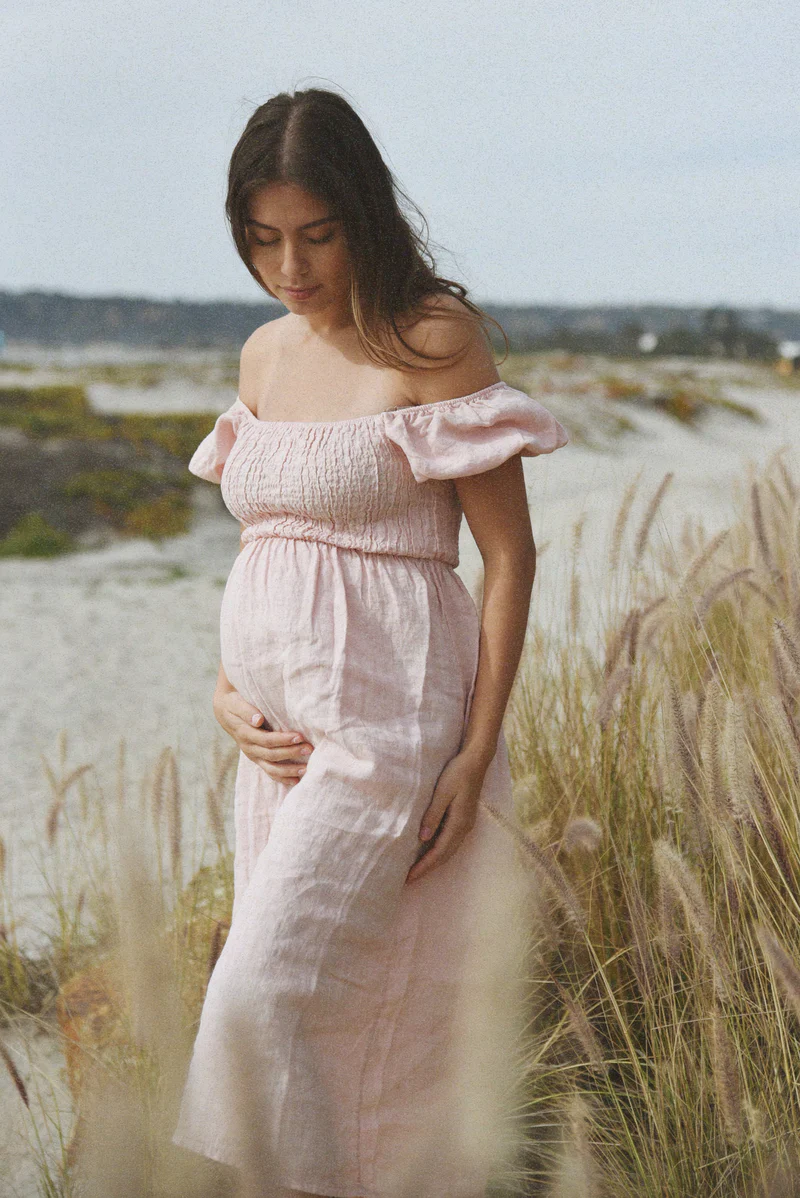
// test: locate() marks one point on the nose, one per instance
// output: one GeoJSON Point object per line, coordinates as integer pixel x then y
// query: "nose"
{"type": "Point", "coordinates": [293, 264]}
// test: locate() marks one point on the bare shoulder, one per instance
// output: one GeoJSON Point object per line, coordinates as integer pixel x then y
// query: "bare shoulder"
{"type": "Point", "coordinates": [254, 353]}
{"type": "Point", "coordinates": [446, 329]}
{"type": "Point", "coordinates": [262, 338]}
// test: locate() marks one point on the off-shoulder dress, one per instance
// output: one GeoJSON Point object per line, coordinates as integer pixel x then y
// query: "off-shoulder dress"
{"type": "Point", "coordinates": [343, 618]}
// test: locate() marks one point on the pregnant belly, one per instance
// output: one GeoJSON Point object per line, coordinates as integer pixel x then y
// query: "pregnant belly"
{"type": "Point", "coordinates": [348, 645]}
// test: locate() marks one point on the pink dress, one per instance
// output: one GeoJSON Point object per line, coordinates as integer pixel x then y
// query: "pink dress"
{"type": "Point", "coordinates": [343, 618]}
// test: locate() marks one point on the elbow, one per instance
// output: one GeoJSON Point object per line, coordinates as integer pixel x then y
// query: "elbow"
{"type": "Point", "coordinates": [519, 564]}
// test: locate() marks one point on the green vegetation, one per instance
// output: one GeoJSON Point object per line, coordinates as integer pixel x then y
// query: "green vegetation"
{"type": "Point", "coordinates": [32, 536]}
{"type": "Point", "coordinates": [65, 411]}
{"type": "Point", "coordinates": [684, 398]}
{"type": "Point", "coordinates": [166, 516]}
{"type": "Point", "coordinates": [151, 501]}
{"type": "Point", "coordinates": [53, 411]}
{"type": "Point", "coordinates": [139, 502]}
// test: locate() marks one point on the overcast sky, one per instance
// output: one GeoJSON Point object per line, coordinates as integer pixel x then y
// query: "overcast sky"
{"type": "Point", "coordinates": [608, 152]}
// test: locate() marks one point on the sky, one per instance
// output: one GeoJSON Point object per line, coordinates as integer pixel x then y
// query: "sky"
{"type": "Point", "coordinates": [602, 152]}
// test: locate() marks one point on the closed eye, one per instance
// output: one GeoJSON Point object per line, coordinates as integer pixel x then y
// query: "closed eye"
{"type": "Point", "coordinates": [312, 240]}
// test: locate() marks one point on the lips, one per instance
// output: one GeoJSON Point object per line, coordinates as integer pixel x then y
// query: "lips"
{"type": "Point", "coordinates": [300, 293]}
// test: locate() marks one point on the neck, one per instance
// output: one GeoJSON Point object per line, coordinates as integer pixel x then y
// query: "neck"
{"type": "Point", "coordinates": [328, 323]}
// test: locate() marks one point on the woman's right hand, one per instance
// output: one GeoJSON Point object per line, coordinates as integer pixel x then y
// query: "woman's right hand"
{"type": "Point", "coordinates": [282, 755]}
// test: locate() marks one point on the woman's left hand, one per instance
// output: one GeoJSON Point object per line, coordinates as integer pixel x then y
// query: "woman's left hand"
{"type": "Point", "coordinates": [455, 800]}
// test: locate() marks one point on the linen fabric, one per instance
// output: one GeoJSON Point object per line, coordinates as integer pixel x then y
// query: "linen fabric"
{"type": "Point", "coordinates": [343, 618]}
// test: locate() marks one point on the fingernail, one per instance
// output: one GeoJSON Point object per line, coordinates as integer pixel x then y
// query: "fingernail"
{"type": "Point", "coordinates": [302, 769]}
{"type": "Point", "coordinates": [296, 740]}
{"type": "Point", "coordinates": [255, 718]}
{"type": "Point", "coordinates": [425, 833]}
{"type": "Point", "coordinates": [305, 752]}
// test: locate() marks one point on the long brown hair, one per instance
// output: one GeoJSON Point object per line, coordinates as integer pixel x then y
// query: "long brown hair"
{"type": "Point", "coordinates": [316, 140]}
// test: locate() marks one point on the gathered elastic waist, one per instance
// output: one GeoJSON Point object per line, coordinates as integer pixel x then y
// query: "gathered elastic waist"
{"type": "Point", "coordinates": [255, 534]}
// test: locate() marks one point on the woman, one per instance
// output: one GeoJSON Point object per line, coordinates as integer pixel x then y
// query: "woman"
{"type": "Point", "coordinates": [363, 689]}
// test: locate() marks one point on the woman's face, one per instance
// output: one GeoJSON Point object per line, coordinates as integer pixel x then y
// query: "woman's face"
{"type": "Point", "coordinates": [296, 243]}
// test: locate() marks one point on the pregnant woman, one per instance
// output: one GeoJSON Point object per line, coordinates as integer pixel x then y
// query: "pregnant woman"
{"type": "Point", "coordinates": [363, 688]}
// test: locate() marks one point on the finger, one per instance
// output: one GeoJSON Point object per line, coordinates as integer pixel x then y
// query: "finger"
{"type": "Point", "coordinates": [292, 752]}
{"type": "Point", "coordinates": [250, 714]}
{"type": "Point", "coordinates": [280, 746]}
{"type": "Point", "coordinates": [283, 756]}
{"type": "Point", "coordinates": [448, 841]}
{"type": "Point", "coordinates": [434, 815]}
{"type": "Point", "coordinates": [282, 773]}
{"type": "Point", "coordinates": [277, 740]}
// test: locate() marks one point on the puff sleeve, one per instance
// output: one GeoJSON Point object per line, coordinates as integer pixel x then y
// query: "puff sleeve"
{"type": "Point", "coordinates": [211, 454]}
{"type": "Point", "coordinates": [473, 433]}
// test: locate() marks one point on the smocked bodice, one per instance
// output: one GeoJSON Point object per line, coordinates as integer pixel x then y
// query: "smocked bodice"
{"type": "Point", "coordinates": [381, 483]}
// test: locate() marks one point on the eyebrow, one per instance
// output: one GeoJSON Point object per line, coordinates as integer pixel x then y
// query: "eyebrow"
{"type": "Point", "coordinates": [312, 224]}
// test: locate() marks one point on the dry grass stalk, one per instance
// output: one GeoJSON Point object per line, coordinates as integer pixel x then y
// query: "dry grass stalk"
{"type": "Point", "coordinates": [762, 541]}
{"type": "Point", "coordinates": [61, 787]}
{"type": "Point", "coordinates": [790, 724]}
{"type": "Point", "coordinates": [3, 859]}
{"type": "Point", "coordinates": [159, 784]}
{"type": "Point", "coordinates": [577, 1174]}
{"type": "Point", "coordinates": [710, 733]}
{"type": "Point", "coordinates": [575, 582]}
{"type": "Point", "coordinates": [620, 523]}
{"type": "Point", "coordinates": [680, 879]}
{"type": "Point", "coordinates": [174, 816]}
{"type": "Point", "coordinates": [581, 832]}
{"type": "Point", "coordinates": [772, 827]}
{"type": "Point", "coordinates": [649, 517]}
{"type": "Point", "coordinates": [788, 482]}
{"type": "Point", "coordinates": [582, 1030]}
{"type": "Point", "coordinates": [727, 1079]}
{"type": "Point", "coordinates": [789, 650]}
{"type": "Point", "coordinates": [712, 593]}
{"type": "Point", "coordinates": [615, 686]}
{"type": "Point", "coordinates": [14, 1074]}
{"type": "Point", "coordinates": [641, 956]}
{"type": "Point", "coordinates": [223, 764]}
{"type": "Point", "coordinates": [633, 634]}
{"type": "Point", "coordinates": [61, 748]}
{"type": "Point", "coordinates": [778, 497]}
{"type": "Point", "coordinates": [688, 770]}
{"type": "Point", "coordinates": [740, 771]}
{"type": "Point", "coordinates": [780, 673]}
{"type": "Point", "coordinates": [782, 964]}
{"type": "Point", "coordinates": [702, 558]}
{"type": "Point", "coordinates": [616, 643]}
{"type": "Point", "coordinates": [547, 868]}
{"type": "Point", "coordinates": [52, 820]}
{"type": "Point", "coordinates": [757, 589]}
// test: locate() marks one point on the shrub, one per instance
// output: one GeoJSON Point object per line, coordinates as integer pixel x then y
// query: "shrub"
{"type": "Point", "coordinates": [32, 536]}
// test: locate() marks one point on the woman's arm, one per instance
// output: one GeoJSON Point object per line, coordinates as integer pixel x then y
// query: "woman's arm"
{"type": "Point", "coordinates": [496, 507]}
{"type": "Point", "coordinates": [495, 504]}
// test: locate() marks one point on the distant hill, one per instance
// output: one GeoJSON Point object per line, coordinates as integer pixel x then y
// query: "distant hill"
{"type": "Point", "coordinates": [52, 318]}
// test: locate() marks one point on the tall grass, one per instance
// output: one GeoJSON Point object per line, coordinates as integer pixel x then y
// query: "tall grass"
{"type": "Point", "coordinates": [672, 1011]}
{"type": "Point", "coordinates": [656, 773]}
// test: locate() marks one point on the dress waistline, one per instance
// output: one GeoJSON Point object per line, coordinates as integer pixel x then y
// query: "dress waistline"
{"type": "Point", "coordinates": [252, 535]}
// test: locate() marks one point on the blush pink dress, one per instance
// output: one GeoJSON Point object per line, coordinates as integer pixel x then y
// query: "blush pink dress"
{"type": "Point", "coordinates": [344, 618]}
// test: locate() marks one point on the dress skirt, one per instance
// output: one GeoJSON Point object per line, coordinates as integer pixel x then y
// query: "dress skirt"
{"type": "Point", "coordinates": [332, 1038]}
